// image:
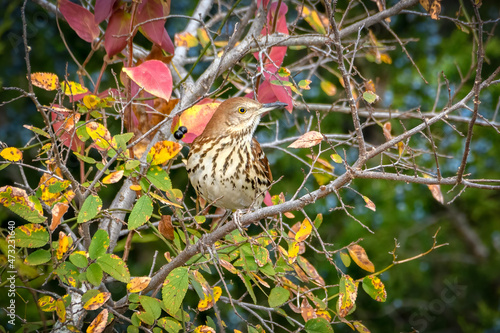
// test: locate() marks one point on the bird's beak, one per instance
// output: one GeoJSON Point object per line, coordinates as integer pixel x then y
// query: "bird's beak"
{"type": "Point", "coordinates": [271, 106]}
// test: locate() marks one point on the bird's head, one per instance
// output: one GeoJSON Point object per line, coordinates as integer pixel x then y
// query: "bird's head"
{"type": "Point", "coordinates": [238, 115]}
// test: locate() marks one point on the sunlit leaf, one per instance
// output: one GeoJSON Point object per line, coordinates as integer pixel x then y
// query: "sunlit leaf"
{"type": "Point", "coordinates": [152, 75]}
{"type": "Point", "coordinates": [113, 177]}
{"type": "Point", "coordinates": [138, 284]}
{"type": "Point", "coordinates": [304, 231]}
{"type": "Point", "coordinates": [47, 81]}
{"type": "Point", "coordinates": [99, 323]}
{"type": "Point", "coordinates": [12, 154]}
{"type": "Point", "coordinates": [97, 301]}
{"type": "Point", "coordinates": [71, 88]}
{"type": "Point", "coordinates": [328, 87]}
{"type": "Point", "coordinates": [309, 139]}
{"type": "Point", "coordinates": [100, 134]}
{"type": "Point", "coordinates": [358, 254]}
{"type": "Point", "coordinates": [163, 151]}
{"type": "Point", "coordinates": [370, 97]}
{"type": "Point", "coordinates": [185, 39]}
{"type": "Point", "coordinates": [369, 204]}
{"type": "Point", "coordinates": [435, 190]}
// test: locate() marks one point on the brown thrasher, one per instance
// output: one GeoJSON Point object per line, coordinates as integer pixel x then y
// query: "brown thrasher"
{"type": "Point", "coordinates": [226, 164]}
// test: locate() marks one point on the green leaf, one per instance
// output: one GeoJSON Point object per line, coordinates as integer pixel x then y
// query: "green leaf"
{"type": "Point", "coordinates": [146, 317]}
{"type": "Point", "coordinates": [90, 208]}
{"type": "Point", "coordinates": [38, 257]}
{"type": "Point", "coordinates": [169, 324]}
{"type": "Point", "coordinates": [99, 244]}
{"type": "Point", "coordinates": [318, 325]}
{"type": "Point", "coordinates": [94, 274]}
{"type": "Point", "coordinates": [318, 221]}
{"type": "Point", "coordinates": [346, 259]}
{"type": "Point", "coordinates": [282, 83]}
{"type": "Point", "coordinates": [79, 259]}
{"type": "Point", "coordinates": [174, 289]}
{"type": "Point", "coordinates": [68, 273]}
{"type": "Point", "coordinates": [278, 297]}
{"type": "Point", "coordinates": [89, 294]}
{"type": "Point", "coordinates": [31, 235]}
{"type": "Point", "coordinates": [159, 178]}
{"type": "Point", "coordinates": [18, 201]}
{"type": "Point", "coordinates": [246, 280]}
{"type": "Point", "coordinates": [84, 158]}
{"type": "Point", "coordinates": [151, 305]}
{"type": "Point", "coordinates": [370, 97]}
{"type": "Point", "coordinates": [141, 212]}
{"type": "Point", "coordinates": [348, 291]}
{"type": "Point", "coordinates": [375, 288]}
{"type": "Point", "coordinates": [114, 266]}
{"type": "Point", "coordinates": [132, 164]}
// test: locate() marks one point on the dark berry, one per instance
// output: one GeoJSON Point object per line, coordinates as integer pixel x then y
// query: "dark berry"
{"type": "Point", "coordinates": [183, 129]}
{"type": "Point", "coordinates": [178, 135]}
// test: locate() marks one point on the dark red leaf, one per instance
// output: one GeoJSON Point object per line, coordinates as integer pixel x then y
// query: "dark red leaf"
{"type": "Point", "coordinates": [155, 30]}
{"type": "Point", "coordinates": [80, 20]}
{"type": "Point", "coordinates": [119, 25]}
{"type": "Point", "coordinates": [102, 10]}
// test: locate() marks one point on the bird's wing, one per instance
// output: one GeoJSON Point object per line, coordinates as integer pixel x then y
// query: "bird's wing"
{"type": "Point", "coordinates": [262, 160]}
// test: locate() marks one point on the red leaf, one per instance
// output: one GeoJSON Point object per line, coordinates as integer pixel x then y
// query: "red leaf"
{"type": "Point", "coordinates": [155, 30]}
{"type": "Point", "coordinates": [269, 93]}
{"type": "Point", "coordinates": [80, 20]}
{"type": "Point", "coordinates": [281, 24]}
{"type": "Point", "coordinates": [118, 25]}
{"type": "Point", "coordinates": [154, 76]}
{"type": "Point", "coordinates": [61, 123]}
{"type": "Point", "coordinates": [102, 10]}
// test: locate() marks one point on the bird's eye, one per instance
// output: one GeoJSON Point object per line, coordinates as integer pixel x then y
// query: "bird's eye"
{"type": "Point", "coordinates": [242, 110]}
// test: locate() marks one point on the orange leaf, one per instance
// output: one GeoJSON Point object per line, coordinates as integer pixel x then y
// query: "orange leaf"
{"type": "Point", "coordinates": [47, 81]}
{"type": "Point", "coordinates": [433, 7]}
{"type": "Point", "coordinates": [358, 254]}
{"type": "Point", "coordinates": [309, 139]}
{"type": "Point", "coordinates": [154, 76]}
{"type": "Point", "coordinates": [307, 311]}
{"type": "Point", "coordinates": [138, 284]}
{"type": "Point", "coordinates": [113, 177]}
{"type": "Point", "coordinates": [436, 191]}
{"type": "Point", "coordinates": [99, 323]}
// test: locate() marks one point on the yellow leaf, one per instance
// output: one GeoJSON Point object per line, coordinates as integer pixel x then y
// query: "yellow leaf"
{"type": "Point", "coordinates": [61, 310]}
{"type": "Point", "coordinates": [72, 88]}
{"type": "Point", "coordinates": [99, 134]}
{"type": "Point", "coordinates": [135, 187]}
{"type": "Point", "coordinates": [208, 302]}
{"type": "Point", "coordinates": [328, 87]}
{"type": "Point", "coordinates": [91, 101]}
{"type": "Point", "coordinates": [165, 201]}
{"type": "Point", "coordinates": [304, 231]}
{"type": "Point", "coordinates": [97, 301]}
{"type": "Point", "coordinates": [358, 254]}
{"type": "Point", "coordinates": [203, 36]}
{"type": "Point", "coordinates": [47, 81]}
{"type": "Point", "coordinates": [113, 177]}
{"type": "Point", "coordinates": [401, 148]}
{"type": "Point", "coordinates": [186, 40]}
{"type": "Point", "coordinates": [204, 329]}
{"type": "Point", "coordinates": [163, 151]}
{"type": "Point", "coordinates": [293, 251]}
{"type": "Point", "coordinates": [336, 158]}
{"type": "Point", "coordinates": [12, 154]}
{"type": "Point", "coordinates": [63, 245]}
{"type": "Point", "coordinates": [313, 18]}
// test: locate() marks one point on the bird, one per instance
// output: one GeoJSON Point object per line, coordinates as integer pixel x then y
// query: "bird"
{"type": "Point", "coordinates": [226, 164]}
